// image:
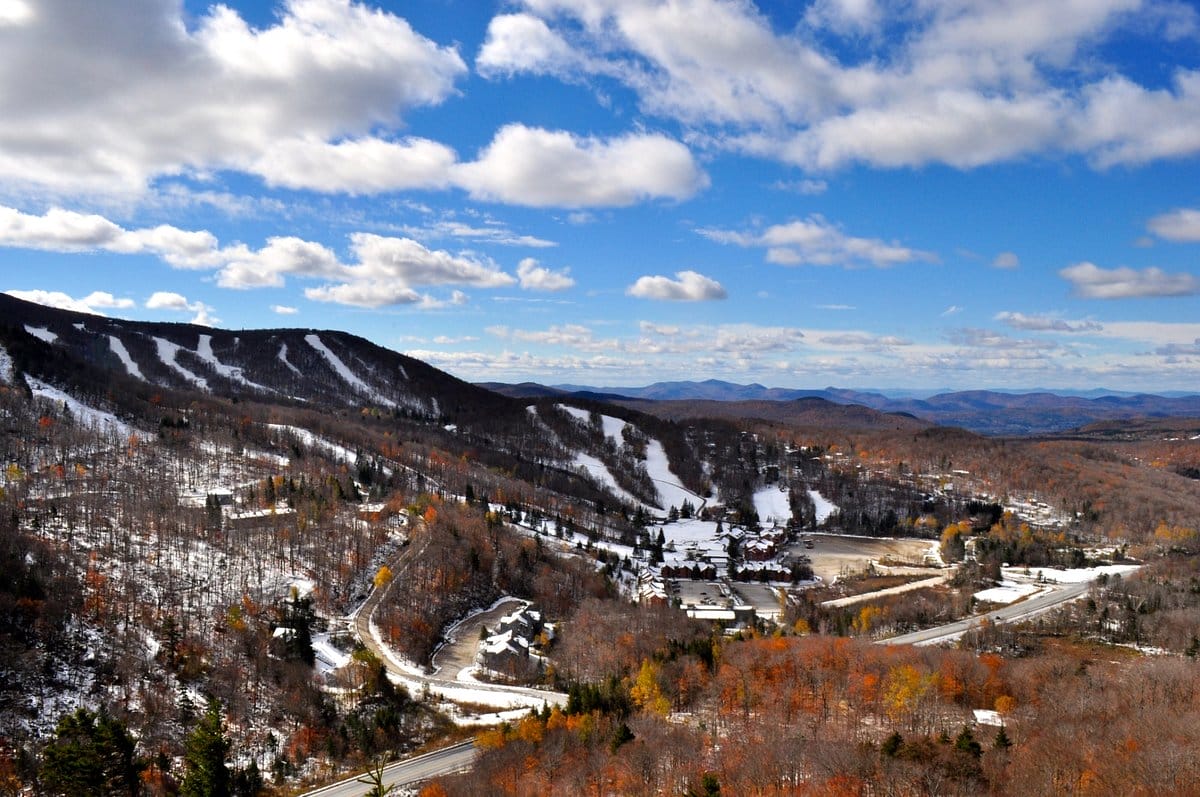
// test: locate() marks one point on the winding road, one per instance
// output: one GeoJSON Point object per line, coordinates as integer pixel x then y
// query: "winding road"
{"type": "Point", "coordinates": [496, 695]}
{"type": "Point", "coordinates": [446, 761]}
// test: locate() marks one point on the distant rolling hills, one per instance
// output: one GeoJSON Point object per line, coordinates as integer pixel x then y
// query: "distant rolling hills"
{"type": "Point", "coordinates": [983, 411]}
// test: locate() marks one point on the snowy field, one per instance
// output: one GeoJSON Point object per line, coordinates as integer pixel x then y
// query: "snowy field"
{"type": "Point", "coordinates": [118, 348]}
{"type": "Point", "coordinates": [825, 508]}
{"type": "Point", "coordinates": [772, 506]}
{"type": "Point", "coordinates": [205, 352]}
{"type": "Point", "coordinates": [1074, 576]}
{"type": "Point", "coordinates": [87, 416]}
{"type": "Point", "coordinates": [670, 490]}
{"type": "Point", "coordinates": [1006, 592]}
{"type": "Point", "coordinates": [601, 474]}
{"type": "Point", "coordinates": [41, 333]}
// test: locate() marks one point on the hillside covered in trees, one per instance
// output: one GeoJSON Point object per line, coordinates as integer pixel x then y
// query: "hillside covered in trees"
{"type": "Point", "coordinates": [187, 561]}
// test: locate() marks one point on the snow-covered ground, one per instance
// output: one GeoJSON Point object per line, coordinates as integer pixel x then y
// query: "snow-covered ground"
{"type": "Point", "coordinates": [576, 413]}
{"type": "Point", "coordinates": [614, 428]}
{"type": "Point", "coordinates": [168, 352]}
{"type": "Point", "coordinates": [87, 416]}
{"type": "Point", "coordinates": [118, 348]}
{"type": "Point", "coordinates": [283, 358]}
{"type": "Point", "coordinates": [1036, 511]}
{"type": "Point", "coordinates": [205, 352]}
{"type": "Point", "coordinates": [825, 508]}
{"type": "Point", "coordinates": [600, 473]}
{"type": "Point", "coordinates": [311, 440]}
{"type": "Point", "coordinates": [986, 716]}
{"type": "Point", "coordinates": [1071, 576]}
{"type": "Point", "coordinates": [772, 506]}
{"type": "Point", "coordinates": [41, 333]}
{"type": "Point", "coordinates": [1006, 592]}
{"type": "Point", "coordinates": [6, 366]}
{"type": "Point", "coordinates": [329, 658]}
{"type": "Point", "coordinates": [671, 491]}
{"type": "Point", "coordinates": [348, 376]}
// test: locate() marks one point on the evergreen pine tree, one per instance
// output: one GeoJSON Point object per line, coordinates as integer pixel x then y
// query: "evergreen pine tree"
{"type": "Point", "coordinates": [205, 750]}
{"type": "Point", "coordinates": [965, 741]}
{"type": "Point", "coordinates": [91, 755]}
{"type": "Point", "coordinates": [892, 744]}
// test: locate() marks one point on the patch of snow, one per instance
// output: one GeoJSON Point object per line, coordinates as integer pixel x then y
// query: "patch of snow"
{"type": "Point", "coordinates": [600, 472]}
{"type": "Point", "coordinates": [576, 413]}
{"type": "Point", "coordinates": [118, 348]}
{"type": "Point", "coordinates": [329, 658]}
{"type": "Point", "coordinates": [311, 440]}
{"type": "Point", "coordinates": [1073, 576]}
{"type": "Point", "coordinates": [985, 716]}
{"type": "Point", "coordinates": [1006, 592]}
{"type": "Point", "coordinates": [1194, 437]}
{"type": "Point", "coordinates": [911, 586]}
{"type": "Point", "coordinates": [41, 333]}
{"type": "Point", "coordinates": [250, 514]}
{"type": "Point", "coordinates": [303, 586]}
{"type": "Point", "coordinates": [167, 352]}
{"type": "Point", "coordinates": [348, 376]}
{"type": "Point", "coordinates": [825, 508]}
{"type": "Point", "coordinates": [464, 719]}
{"type": "Point", "coordinates": [772, 505]}
{"type": "Point", "coordinates": [670, 490]}
{"type": "Point", "coordinates": [88, 416]}
{"type": "Point", "coordinates": [283, 359]}
{"type": "Point", "coordinates": [614, 428]}
{"type": "Point", "coordinates": [233, 373]}
{"type": "Point", "coordinates": [80, 327]}
{"type": "Point", "coordinates": [6, 366]}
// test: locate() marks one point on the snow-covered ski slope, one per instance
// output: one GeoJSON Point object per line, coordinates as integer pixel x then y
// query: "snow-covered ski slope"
{"type": "Point", "coordinates": [671, 491]}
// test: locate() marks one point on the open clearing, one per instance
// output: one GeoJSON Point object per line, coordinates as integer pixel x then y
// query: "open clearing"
{"type": "Point", "coordinates": [834, 555]}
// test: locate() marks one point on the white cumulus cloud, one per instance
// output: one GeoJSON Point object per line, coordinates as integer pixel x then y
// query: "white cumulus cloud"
{"type": "Point", "coordinates": [92, 304]}
{"type": "Point", "coordinates": [554, 168]}
{"type": "Point", "coordinates": [1090, 281]}
{"type": "Point", "coordinates": [534, 277]}
{"type": "Point", "coordinates": [1181, 225]}
{"type": "Point", "coordinates": [688, 286]}
{"type": "Point", "coordinates": [815, 241]}
{"type": "Point", "coordinates": [176, 302]}
{"type": "Point", "coordinates": [159, 95]}
{"type": "Point", "coordinates": [907, 84]}
{"type": "Point", "coordinates": [1043, 323]}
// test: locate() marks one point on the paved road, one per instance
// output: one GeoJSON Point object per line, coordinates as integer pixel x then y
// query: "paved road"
{"type": "Point", "coordinates": [482, 693]}
{"type": "Point", "coordinates": [1055, 596]}
{"type": "Point", "coordinates": [446, 761]}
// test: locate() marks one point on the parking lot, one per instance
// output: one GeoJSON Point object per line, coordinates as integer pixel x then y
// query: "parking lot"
{"type": "Point", "coordinates": [834, 555]}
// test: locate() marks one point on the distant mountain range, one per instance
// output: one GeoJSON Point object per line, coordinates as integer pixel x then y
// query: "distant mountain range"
{"type": "Point", "coordinates": [986, 411]}
{"type": "Point", "coordinates": [322, 368]}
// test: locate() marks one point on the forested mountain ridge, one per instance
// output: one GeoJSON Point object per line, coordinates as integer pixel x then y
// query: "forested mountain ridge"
{"type": "Point", "coordinates": [183, 554]}
{"type": "Point", "coordinates": [985, 411]}
{"type": "Point", "coordinates": [318, 367]}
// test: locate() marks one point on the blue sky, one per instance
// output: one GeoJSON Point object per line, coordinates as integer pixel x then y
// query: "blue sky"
{"type": "Point", "coordinates": [929, 194]}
